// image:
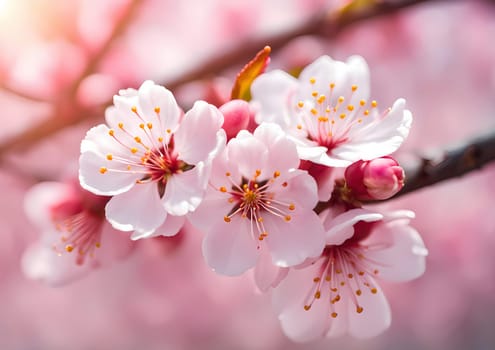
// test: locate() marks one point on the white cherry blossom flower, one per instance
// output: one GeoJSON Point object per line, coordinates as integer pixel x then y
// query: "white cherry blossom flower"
{"type": "Point", "coordinates": [338, 292]}
{"type": "Point", "coordinates": [259, 202]}
{"type": "Point", "coordinates": [151, 158]}
{"type": "Point", "coordinates": [328, 111]}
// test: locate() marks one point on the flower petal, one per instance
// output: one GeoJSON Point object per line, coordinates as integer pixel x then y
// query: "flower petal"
{"type": "Point", "coordinates": [139, 209]}
{"type": "Point", "coordinates": [403, 258]}
{"type": "Point", "coordinates": [297, 323]}
{"type": "Point", "coordinates": [341, 228]}
{"type": "Point", "coordinates": [170, 227]}
{"type": "Point", "coordinates": [39, 262]}
{"type": "Point", "coordinates": [199, 132]}
{"type": "Point", "coordinates": [41, 197]}
{"type": "Point", "coordinates": [229, 248]}
{"type": "Point", "coordinates": [293, 241]}
{"type": "Point", "coordinates": [267, 275]}
{"type": "Point", "coordinates": [374, 319]}
{"type": "Point", "coordinates": [379, 138]}
{"type": "Point", "coordinates": [272, 91]}
{"type": "Point", "coordinates": [283, 152]}
{"type": "Point", "coordinates": [250, 154]}
{"type": "Point", "coordinates": [185, 191]}
{"type": "Point", "coordinates": [95, 148]}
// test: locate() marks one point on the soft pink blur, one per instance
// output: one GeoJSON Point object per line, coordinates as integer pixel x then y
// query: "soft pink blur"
{"type": "Point", "coordinates": [438, 56]}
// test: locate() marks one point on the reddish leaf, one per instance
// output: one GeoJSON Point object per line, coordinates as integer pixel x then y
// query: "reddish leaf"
{"type": "Point", "coordinates": [242, 86]}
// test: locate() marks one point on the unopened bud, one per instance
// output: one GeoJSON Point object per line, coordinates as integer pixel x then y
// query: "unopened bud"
{"type": "Point", "coordinates": [375, 179]}
{"type": "Point", "coordinates": [236, 117]}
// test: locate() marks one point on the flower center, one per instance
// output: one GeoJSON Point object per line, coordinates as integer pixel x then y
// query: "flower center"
{"type": "Point", "coordinates": [80, 225]}
{"type": "Point", "coordinates": [253, 199]}
{"type": "Point", "coordinates": [151, 153]}
{"type": "Point", "coordinates": [344, 272]}
{"type": "Point", "coordinates": [327, 118]}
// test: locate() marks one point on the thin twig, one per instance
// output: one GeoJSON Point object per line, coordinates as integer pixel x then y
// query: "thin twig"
{"type": "Point", "coordinates": [451, 163]}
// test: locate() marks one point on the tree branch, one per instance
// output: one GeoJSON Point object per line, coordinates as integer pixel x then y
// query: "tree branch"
{"type": "Point", "coordinates": [450, 163]}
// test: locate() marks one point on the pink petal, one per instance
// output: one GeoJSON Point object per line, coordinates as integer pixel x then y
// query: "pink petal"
{"type": "Point", "coordinates": [41, 263]}
{"type": "Point", "coordinates": [229, 248]}
{"type": "Point", "coordinates": [292, 242]}
{"type": "Point", "coordinates": [212, 209]}
{"type": "Point", "coordinates": [271, 91]}
{"type": "Point", "coordinates": [41, 197]}
{"type": "Point", "coordinates": [185, 191]}
{"type": "Point", "coordinates": [283, 153]}
{"type": "Point", "coordinates": [199, 134]}
{"type": "Point", "coordinates": [341, 228]}
{"type": "Point", "coordinates": [115, 245]}
{"type": "Point", "coordinates": [267, 275]}
{"type": "Point", "coordinates": [170, 227]}
{"type": "Point", "coordinates": [374, 319]}
{"type": "Point", "coordinates": [298, 324]}
{"type": "Point", "coordinates": [250, 154]}
{"type": "Point", "coordinates": [300, 189]}
{"type": "Point", "coordinates": [404, 255]}
{"type": "Point", "coordinates": [139, 209]}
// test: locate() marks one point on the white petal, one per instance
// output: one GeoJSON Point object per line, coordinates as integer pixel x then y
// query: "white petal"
{"type": "Point", "coordinates": [185, 191]}
{"type": "Point", "coordinates": [95, 148]}
{"type": "Point", "coordinates": [374, 319]}
{"type": "Point", "coordinates": [229, 248]}
{"type": "Point", "coordinates": [404, 255]}
{"type": "Point", "coordinates": [267, 275]}
{"type": "Point", "coordinates": [344, 75]}
{"type": "Point", "coordinates": [283, 153]}
{"type": "Point", "coordinates": [109, 183]}
{"type": "Point", "coordinates": [152, 96]}
{"type": "Point", "coordinates": [299, 324]}
{"type": "Point", "coordinates": [293, 241]}
{"type": "Point", "coordinates": [139, 209]}
{"type": "Point", "coordinates": [213, 208]}
{"type": "Point", "coordinates": [296, 187]}
{"type": "Point", "coordinates": [198, 133]}
{"type": "Point", "coordinates": [271, 92]}
{"type": "Point", "coordinates": [249, 154]}
{"type": "Point", "coordinates": [341, 228]}
{"type": "Point", "coordinates": [170, 227]}
{"type": "Point", "coordinates": [379, 138]}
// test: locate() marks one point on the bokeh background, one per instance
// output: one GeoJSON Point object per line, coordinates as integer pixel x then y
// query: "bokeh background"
{"type": "Point", "coordinates": [60, 63]}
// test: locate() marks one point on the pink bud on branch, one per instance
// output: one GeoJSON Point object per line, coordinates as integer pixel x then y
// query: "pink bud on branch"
{"type": "Point", "coordinates": [375, 179]}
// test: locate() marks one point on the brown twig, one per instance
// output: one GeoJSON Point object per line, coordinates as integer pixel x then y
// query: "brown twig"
{"type": "Point", "coordinates": [451, 163]}
{"type": "Point", "coordinates": [324, 24]}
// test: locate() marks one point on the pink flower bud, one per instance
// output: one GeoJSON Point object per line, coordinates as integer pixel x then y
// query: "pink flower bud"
{"type": "Point", "coordinates": [378, 179]}
{"type": "Point", "coordinates": [236, 117]}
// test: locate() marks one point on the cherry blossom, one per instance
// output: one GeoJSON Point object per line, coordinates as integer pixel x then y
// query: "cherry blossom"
{"type": "Point", "coordinates": [75, 237]}
{"type": "Point", "coordinates": [328, 112]}
{"type": "Point", "coordinates": [258, 201]}
{"type": "Point", "coordinates": [337, 293]}
{"type": "Point", "coordinates": [151, 158]}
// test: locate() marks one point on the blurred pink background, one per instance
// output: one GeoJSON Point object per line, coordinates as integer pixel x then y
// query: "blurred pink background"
{"type": "Point", "coordinates": [438, 55]}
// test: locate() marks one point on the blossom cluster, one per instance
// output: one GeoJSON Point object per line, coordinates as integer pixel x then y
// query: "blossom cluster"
{"type": "Point", "coordinates": [277, 184]}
